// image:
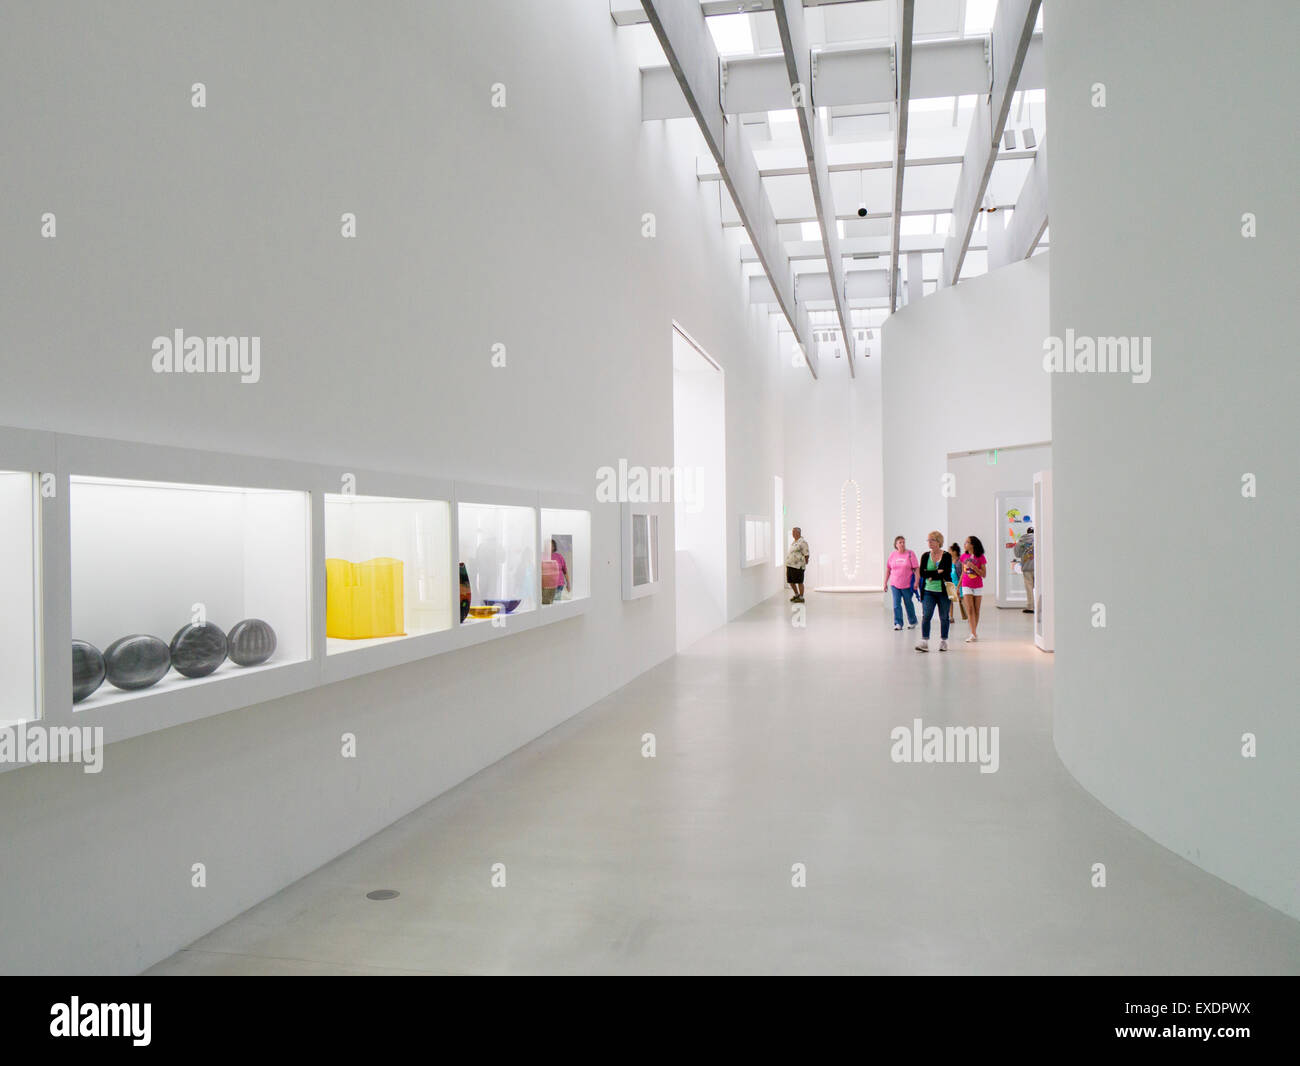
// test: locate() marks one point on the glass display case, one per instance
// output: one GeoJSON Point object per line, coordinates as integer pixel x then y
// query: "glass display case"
{"type": "Point", "coordinates": [387, 570]}
{"type": "Point", "coordinates": [565, 561]}
{"type": "Point", "coordinates": [177, 585]}
{"type": "Point", "coordinates": [497, 560]}
{"type": "Point", "coordinates": [20, 606]}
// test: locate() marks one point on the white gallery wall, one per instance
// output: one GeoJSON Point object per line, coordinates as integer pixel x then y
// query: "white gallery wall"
{"type": "Point", "coordinates": [1153, 709]}
{"type": "Point", "coordinates": [962, 370]}
{"type": "Point", "coordinates": [476, 226]}
{"type": "Point", "coordinates": [700, 520]}
{"type": "Point", "coordinates": [832, 443]}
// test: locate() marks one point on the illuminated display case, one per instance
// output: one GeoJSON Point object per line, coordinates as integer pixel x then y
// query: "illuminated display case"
{"type": "Point", "coordinates": [20, 664]}
{"type": "Point", "coordinates": [496, 532]}
{"type": "Point", "coordinates": [565, 557]}
{"type": "Point", "coordinates": [177, 585]}
{"type": "Point", "coordinates": [150, 586]}
{"type": "Point", "coordinates": [388, 569]}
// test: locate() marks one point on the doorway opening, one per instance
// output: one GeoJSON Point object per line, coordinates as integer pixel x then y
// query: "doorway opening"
{"type": "Point", "coordinates": [700, 489]}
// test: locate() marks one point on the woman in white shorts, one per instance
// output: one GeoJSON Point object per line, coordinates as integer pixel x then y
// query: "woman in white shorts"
{"type": "Point", "coordinates": [974, 566]}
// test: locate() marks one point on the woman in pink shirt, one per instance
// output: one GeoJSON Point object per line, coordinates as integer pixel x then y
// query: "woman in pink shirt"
{"type": "Point", "coordinates": [558, 559]}
{"type": "Point", "coordinates": [900, 577]}
{"type": "Point", "coordinates": [974, 567]}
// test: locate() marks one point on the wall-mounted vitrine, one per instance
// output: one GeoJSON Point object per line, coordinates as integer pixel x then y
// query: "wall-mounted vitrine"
{"type": "Point", "coordinates": [565, 559]}
{"type": "Point", "coordinates": [642, 527]}
{"type": "Point", "coordinates": [20, 606]}
{"type": "Point", "coordinates": [149, 586]}
{"type": "Point", "coordinates": [387, 569]}
{"type": "Point", "coordinates": [176, 585]}
{"type": "Point", "coordinates": [497, 556]}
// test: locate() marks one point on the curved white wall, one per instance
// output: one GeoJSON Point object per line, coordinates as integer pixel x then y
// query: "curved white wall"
{"type": "Point", "coordinates": [962, 370]}
{"type": "Point", "coordinates": [1146, 198]}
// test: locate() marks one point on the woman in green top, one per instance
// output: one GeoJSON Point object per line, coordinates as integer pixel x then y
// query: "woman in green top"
{"type": "Point", "coordinates": [936, 568]}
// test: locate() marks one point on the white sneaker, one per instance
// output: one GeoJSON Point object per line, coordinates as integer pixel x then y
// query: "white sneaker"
{"type": "Point", "coordinates": [897, 626]}
{"type": "Point", "coordinates": [923, 645]}
{"type": "Point", "coordinates": [911, 625]}
{"type": "Point", "coordinates": [972, 639]}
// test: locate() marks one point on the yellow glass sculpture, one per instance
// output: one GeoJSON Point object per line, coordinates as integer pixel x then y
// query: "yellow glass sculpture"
{"type": "Point", "coordinates": [364, 600]}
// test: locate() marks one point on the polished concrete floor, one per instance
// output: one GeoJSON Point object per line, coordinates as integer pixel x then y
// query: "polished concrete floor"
{"type": "Point", "coordinates": [773, 749]}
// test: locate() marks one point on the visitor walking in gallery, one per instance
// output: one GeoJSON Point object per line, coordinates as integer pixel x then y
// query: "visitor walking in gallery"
{"type": "Point", "coordinates": [973, 568]}
{"type": "Point", "coordinates": [900, 579]}
{"type": "Point", "coordinates": [936, 565]}
{"type": "Point", "coordinates": [796, 561]}
{"type": "Point", "coordinates": [1024, 553]}
{"type": "Point", "coordinates": [955, 552]}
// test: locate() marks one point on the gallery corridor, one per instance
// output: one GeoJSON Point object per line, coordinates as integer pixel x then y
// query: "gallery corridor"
{"type": "Point", "coordinates": [772, 748]}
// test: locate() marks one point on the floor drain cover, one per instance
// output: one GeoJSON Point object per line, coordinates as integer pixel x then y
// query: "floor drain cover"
{"type": "Point", "coordinates": [382, 893]}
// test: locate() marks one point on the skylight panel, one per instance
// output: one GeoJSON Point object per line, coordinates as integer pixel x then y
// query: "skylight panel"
{"type": "Point", "coordinates": [979, 16]}
{"type": "Point", "coordinates": [915, 225]}
{"type": "Point", "coordinates": [732, 34]}
{"type": "Point", "coordinates": [811, 231]}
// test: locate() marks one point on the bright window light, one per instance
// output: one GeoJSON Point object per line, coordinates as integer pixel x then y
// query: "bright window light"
{"type": "Point", "coordinates": [912, 225]}
{"type": "Point", "coordinates": [731, 35]}
{"type": "Point", "coordinates": [943, 222]}
{"type": "Point", "coordinates": [811, 231]}
{"type": "Point", "coordinates": [780, 116]}
{"type": "Point", "coordinates": [979, 16]}
{"type": "Point", "coordinates": [930, 103]}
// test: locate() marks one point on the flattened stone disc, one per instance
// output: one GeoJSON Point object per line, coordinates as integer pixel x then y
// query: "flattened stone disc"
{"type": "Point", "coordinates": [198, 650]}
{"type": "Point", "coordinates": [137, 661]}
{"type": "Point", "coordinates": [87, 669]}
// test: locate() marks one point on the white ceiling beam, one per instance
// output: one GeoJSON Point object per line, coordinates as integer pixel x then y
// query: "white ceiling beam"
{"type": "Point", "coordinates": [1029, 220]}
{"type": "Point", "coordinates": [1013, 28]}
{"type": "Point", "coordinates": [856, 247]}
{"type": "Point", "coordinates": [631, 13]}
{"type": "Point", "coordinates": [904, 16]}
{"type": "Point", "coordinates": [798, 64]}
{"type": "Point", "coordinates": [679, 26]}
{"type": "Point", "coordinates": [847, 77]}
{"type": "Point", "coordinates": [817, 286]}
{"type": "Point", "coordinates": [874, 164]}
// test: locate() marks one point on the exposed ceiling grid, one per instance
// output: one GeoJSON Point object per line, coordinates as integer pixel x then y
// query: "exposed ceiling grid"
{"type": "Point", "coordinates": [928, 113]}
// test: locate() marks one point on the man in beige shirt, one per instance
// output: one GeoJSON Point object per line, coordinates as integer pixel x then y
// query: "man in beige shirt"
{"type": "Point", "coordinates": [796, 561]}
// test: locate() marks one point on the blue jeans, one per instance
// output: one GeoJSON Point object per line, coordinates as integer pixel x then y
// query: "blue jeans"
{"type": "Point", "coordinates": [902, 596]}
{"type": "Point", "coordinates": [931, 601]}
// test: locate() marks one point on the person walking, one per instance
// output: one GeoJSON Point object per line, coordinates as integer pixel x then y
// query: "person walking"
{"type": "Point", "coordinates": [1024, 553]}
{"type": "Point", "coordinates": [900, 579]}
{"type": "Point", "coordinates": [974, 566]}
{"type": "Point", "coordinates": [796, 562]}
{"type": "Point", "coordinates": [936, 566]}
{"type": "Point", "coordinates": [955, 552]}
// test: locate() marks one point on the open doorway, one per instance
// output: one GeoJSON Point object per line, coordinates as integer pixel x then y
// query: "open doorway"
{"type": "Point", "coordinates": [699, 503]}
